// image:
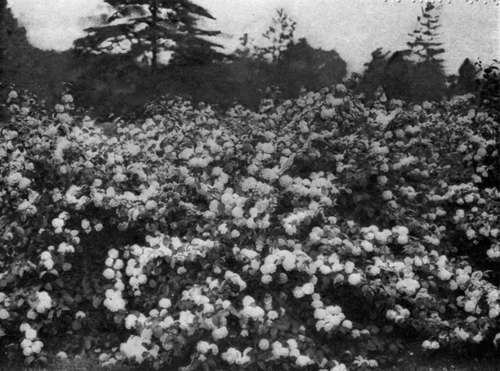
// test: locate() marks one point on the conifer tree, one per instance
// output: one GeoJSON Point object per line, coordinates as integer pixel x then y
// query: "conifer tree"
{"type": "Point", "coordinates": [149, 30]}
{"type": "Point", "coordinates": [280, 35]}
{"type": "Point", "coordinates": [424, 44]}
{"type": "Point", "coordinates": [428, 80]}
{"type": "Point", "coordinates": [466, 77]}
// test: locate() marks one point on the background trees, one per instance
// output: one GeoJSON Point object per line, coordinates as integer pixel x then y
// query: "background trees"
{"type": "Point", "coordinates": [415, 73]}
{"type": "Point", "coordinates": [144, 49]}
{"type": "Point", "coordinates": [3, 32]}
{"type": "Point", "coordinates": [153, 32]}
{"type": "Point", "coordinates": [40, 71]}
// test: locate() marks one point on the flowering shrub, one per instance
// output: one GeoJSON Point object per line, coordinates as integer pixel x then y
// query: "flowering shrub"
{"type": "Point", "coordinates": [312, 235]}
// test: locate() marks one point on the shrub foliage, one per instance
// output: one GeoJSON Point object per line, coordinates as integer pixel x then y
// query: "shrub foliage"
{"type": "Point", "coordinates": [314, 234]}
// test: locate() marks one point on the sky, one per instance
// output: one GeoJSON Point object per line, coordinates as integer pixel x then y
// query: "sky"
{"type": "Point", "coordinates": [354, 28]}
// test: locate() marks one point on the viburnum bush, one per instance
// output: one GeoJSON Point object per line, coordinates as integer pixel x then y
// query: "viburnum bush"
{"type": "Point", "coordinates": [315, 234]}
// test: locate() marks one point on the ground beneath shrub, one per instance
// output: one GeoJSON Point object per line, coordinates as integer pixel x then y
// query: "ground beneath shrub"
{"type": "Point", "coordinates": [410, 362]}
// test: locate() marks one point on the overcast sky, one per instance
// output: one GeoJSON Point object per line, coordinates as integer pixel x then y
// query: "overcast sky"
{"type": "Point", "coordinates": [352, 27]}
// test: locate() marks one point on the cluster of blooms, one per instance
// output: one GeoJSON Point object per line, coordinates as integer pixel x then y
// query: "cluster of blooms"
{"type": "Point", "coordinates": [43, 302]}
{"type": "Point", "coordinates": [30, 344]}
{"type": "Point", "coordinates": [398, 314]}
{"type": "Point", "coordinates": [431, 345]}
{"type": "Point", "coordinates": [242, 238]}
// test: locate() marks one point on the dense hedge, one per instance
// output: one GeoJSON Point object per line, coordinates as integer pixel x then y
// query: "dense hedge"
{"type": "Point", "coordinates": [314, 234]}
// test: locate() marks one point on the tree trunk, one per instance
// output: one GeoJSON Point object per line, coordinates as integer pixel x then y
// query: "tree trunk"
{"type": "Point", "coordinates": [154, 40]}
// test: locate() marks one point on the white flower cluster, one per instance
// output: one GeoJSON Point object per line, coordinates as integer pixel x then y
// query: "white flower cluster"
{"type": "Point", "coordinates": [408, 285]}
{"type": "Point", "coordinates": [329, 317]}
{"type": "Point", "coordinates": [30, 344]}
{"type": "Point", "coordinates": [4, 301]}
{"type": "Point", "coordinates": [291, 349]}
{"type": "Point", "coordinates": [236, 357]}
{"type": "Point", "coordinates": [114, 300]}
{"type": "Point", "coordinates": [43, 302]}
{"type": "Point", "coordinates": [398, 314]}
{"type": "Point", "coordinates": [46, 260]}
{"type": "Point", "coordinates": [430, 345]}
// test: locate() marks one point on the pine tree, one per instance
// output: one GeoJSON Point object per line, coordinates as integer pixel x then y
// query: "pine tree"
{"type": "Point", "coordinates": [149, 30]}
{"type": "Point", "coordinates": [428, 79]}
{"type": "Point", "coordinates": [424, 44]}
{"type": "Point", "coordinates": [279, 35]}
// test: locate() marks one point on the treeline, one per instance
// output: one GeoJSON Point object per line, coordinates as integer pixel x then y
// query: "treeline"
{"type": "Point", "coordinates": [417, 73]}
{"type": "Point", "coordinates": [151, 48]}
{"type": "Point", "coordinates": [121, 83]}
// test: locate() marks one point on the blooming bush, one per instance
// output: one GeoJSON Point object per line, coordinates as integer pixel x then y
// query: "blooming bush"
{"type": "Point", "coordinates": [315, 234]}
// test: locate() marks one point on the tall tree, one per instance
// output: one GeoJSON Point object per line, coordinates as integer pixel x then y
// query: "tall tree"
{"type": "Point", "coordinates": [153, 32]}
{"type": "Point", "coordinates": [466, 77]}
{"type": "Point", "coordinates": [428, 79]}
{"type": "Point", "coordinates": [373, 76]}
{"type": "Point", "coordinates": [279, 36]}
{"type": "Point", "coordinates": [424, 44]}
{"type": "Point", "coordinates": [398, 76]}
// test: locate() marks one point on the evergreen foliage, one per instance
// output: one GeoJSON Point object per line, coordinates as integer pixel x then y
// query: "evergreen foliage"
{"type": "Point", "coordinates": [153, 32]}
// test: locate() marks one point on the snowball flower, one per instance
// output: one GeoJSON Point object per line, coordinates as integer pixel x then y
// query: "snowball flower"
{"type": "Point", "coordinates": [444, 274]}
{"type": "Point", "coordinates": [288, 261]}
{"type": "Point", "coordinates": [30, 333]}
{"type": "Point", "coordinates": [461, 333]}
{"type": "Point", "coordinates": [4, 314]}
{"type": "Point", "coordinates": [354, 279]}
{"type": "Point", "coordinates": [203, 347]}
{"type": "Point", "coordinates": [62, 355]}
{"type": "Point", "coordinates": [303, 361]}
{"type": "Point", "coordinates": [367, 246]}
{"type": "Point", "coordinates": [165, 303]}
{"type": "Point", "coordinates": [347, 324]}
{"type": "Point", "coordinates": [264, 344]}
{"type": "Point", "coordinates": [234, 356]}
{"type": "Point", "coordinates": [57, 223]}
{"type": "Point", "coordinates": [408, 285]}
{"type": "Point", "coordinates": [67, 98]}
{"type": "Point", "coordinates": [308, 288]}
{"type": "Point", "coordinates": [44, 301]}
{"type": "Point", "coordinates": [109, 273]}
{"type": "Point", "coordinates": [134, 348]}
{"type": "Point", "coordinates": [114, 300]}
{"type": "Point", "coordinates": [130, 321]}
{"type": "Point", "coordinates": [387, 195]}
{"type": "Point", "coordinates": [427, 344]}
{"type": "Point", "coordinates": [339, 367]}
{"type": "Point", "coordinates": [12, 95]}
{"type": "Point", "coordinates": [37, 346]}
{"type": "Point", "coordinates": [186, 319]}
{"type": "Point", "coordinates": [266, 147]}
{"type": "Point", "coordinates": [220, 333]}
